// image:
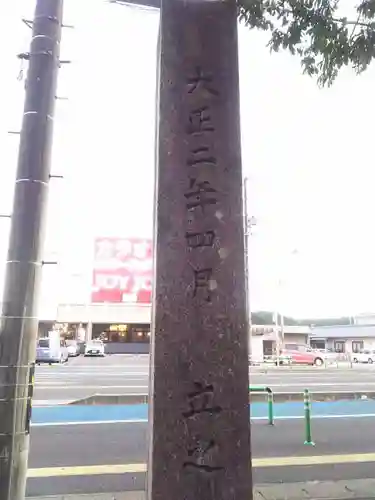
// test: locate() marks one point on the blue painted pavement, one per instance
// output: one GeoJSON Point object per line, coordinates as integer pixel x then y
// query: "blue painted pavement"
{"type": "Point", "coordinates": [129, 413]}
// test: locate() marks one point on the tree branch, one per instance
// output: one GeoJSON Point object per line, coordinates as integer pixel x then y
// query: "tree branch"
{"type": "Point", "coordinates": [344, 21]}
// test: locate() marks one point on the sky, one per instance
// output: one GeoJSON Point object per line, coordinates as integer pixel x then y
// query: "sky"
{"type": "Point", "coordinates": [307, 154]}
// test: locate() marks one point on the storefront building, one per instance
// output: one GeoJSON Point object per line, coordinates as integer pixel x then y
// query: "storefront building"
{"type": "Point", "coordinates": [115, 302]}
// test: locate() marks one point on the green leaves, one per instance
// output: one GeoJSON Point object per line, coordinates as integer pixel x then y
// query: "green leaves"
{"type": "Point", "coordinates": [313, 30]}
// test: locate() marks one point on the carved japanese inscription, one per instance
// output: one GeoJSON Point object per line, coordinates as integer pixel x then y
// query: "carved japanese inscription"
{"type": "Point", "coordinates": [201, 401]}
{"type": "Point", "coordinates": [202, 457]}
{"type": "Point", "coordinates": [199, 411]}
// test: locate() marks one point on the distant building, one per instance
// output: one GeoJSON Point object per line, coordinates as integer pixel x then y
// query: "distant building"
{"type": "Point", "coordinates": [264, 339]}
{"type": "Point", "coordinates": [344, 338]}
{"type": "Point", "coordinates": [364, 319]}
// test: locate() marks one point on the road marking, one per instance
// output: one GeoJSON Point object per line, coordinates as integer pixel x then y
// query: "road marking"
{"type": "Point", "coordinates": [144, 420]}
{"type": "Point", "coordinates": [72, 386]}
{"type": "Point", "coordinates": [51, 402]}
{"type": "Point", "coordinates": [295, 461]}
{"type": "Point", "coordinates": [78, 376]}
{"type": "Point", "coordinates": [94, 368]}
{"type": "Point", "coordinates": [96, 422]}
{"type": "Point", "coordinates": [54, 384]}
{"type": "Point", "coordinates": [326, 384]}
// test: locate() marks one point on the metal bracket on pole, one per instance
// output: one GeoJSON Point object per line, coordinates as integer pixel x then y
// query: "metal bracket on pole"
{"type": "Point", "coordinates": [61, 98]}
{"type": "Point", "coordinates": [24, 55]}
{"type": "Point", "coordinates": [14, 132]}
{"type": "Point", "coordinates": [51, 176]}
{"type": "Point", "coordinates": [49, 263]}
{"type": "Point", "coordinates": [64, 61]}
{"type": "Point", "coordinates": [28, 23]}
{"type": "Point", "coordinates": [5, 216]}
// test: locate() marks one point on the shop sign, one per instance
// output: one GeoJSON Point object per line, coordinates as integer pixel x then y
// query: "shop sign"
{"type": "Point", "coordinates": [122, 271]}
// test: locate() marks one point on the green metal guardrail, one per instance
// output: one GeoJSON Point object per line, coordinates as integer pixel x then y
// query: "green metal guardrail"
{"type": "Point", "coordinates": [306, 406]}
{"type": "Point", "coordinates": [269, 392]}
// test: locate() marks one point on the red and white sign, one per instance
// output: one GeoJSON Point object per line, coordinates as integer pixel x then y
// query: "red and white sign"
{"type": "Point", "coordinates": [122, 271]}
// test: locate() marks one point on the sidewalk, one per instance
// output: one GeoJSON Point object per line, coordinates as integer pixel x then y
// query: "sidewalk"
{"type": "Point", "coordinates": [363, 489]}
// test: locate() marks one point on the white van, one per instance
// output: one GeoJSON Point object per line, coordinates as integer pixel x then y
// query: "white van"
{"type": "Point", "coordinates": [51, 349]}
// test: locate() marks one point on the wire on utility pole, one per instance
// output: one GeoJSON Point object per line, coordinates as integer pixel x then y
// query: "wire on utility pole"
{"type": "Point", "coordinates": [19, 323]}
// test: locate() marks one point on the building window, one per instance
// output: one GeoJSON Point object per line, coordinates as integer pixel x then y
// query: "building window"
{"type": "Point", "coordinates": [140, 334]}
{"type": "Point", "coordinates": [268, 347]}
{"type": "Point", "coordinates": [357, 345]}
{"type": "Point", "coordinates": [112, 333]}
{"type": "Point", "coordinates": [339, 346]}
{"type": "Point", "coordinates": [122, 333]}
{"type": "Point", "coordinates": [318, 344]}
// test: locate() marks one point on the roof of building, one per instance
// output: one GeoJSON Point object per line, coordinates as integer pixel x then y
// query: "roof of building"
{"type": "Point", "coordinates": [291, 330]}
{"type": "Point", "coordinates": [343, 332]}
{"type": "Point", "coordinates": [301, 330]}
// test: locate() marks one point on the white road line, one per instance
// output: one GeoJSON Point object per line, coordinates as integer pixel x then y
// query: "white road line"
{"type": "Point", "coordinates": [65, 387]}
{"type": "Point", "coordinates": [139, 421]}
{"type": "Point", "coordinates": [51, 402]}
{"type": "Point", "coordinates": [97, 367]}
{"type": "Point", "coordinates": [325, 384]}
{"type": "Point", "coordinates": [98, 422]}
{"type": "Point", "coordinates": [91, 375]}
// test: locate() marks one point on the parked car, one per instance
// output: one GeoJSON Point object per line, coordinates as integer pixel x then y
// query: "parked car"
{"type": "Point", "coordinates": [364, 356]}
{"type": "Point", "coordinates": [73, 348]}
{"type": "Point", "coordinates": [301, 354]}
{"type": "Point", "coordinates": [51, 350]}
{"type": "Point", "coordinates": [94, 348]}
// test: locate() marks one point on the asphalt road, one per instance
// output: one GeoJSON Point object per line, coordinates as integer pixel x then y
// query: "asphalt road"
{"type": "Point", "coordinates": [87, 445]}
{"type": "Point", "coordinates": [117, 374]}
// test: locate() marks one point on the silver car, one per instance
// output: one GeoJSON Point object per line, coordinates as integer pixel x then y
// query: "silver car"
{"type": "Point", "coordinates": [73, 348]}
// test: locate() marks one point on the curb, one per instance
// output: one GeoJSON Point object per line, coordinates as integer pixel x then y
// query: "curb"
{"type": "Point", "coordinates": [313, 490]}
{"type": "Point", "coordinates": [278, 397]}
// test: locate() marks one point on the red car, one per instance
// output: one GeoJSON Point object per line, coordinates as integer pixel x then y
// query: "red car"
{"type": "Point", "coordinates": [301, 355]}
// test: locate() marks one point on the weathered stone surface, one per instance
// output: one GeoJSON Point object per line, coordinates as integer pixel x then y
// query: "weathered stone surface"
{"type": "Point", "coordinates": [200, 445]}
{"type": "Point", "coordinates": [319, 490]}
{"type": "Point", "coordinates": [314, 490]}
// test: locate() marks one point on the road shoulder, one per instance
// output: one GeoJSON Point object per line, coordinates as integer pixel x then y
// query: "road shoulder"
{"type": "Point", "coordinates": [313, 490]}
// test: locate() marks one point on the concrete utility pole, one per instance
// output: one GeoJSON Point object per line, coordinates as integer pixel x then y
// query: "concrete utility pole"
{"type": "Point", "coordinates": [199, 400]}
{"type": "Point", "coordinates": [19, 322]}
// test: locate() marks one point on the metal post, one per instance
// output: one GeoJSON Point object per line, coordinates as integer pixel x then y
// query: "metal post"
{"type": "Point", "coordinates": [270, 407]}
{"type": "Point", "coordinates": [270, 401]}
{"type": "Point", "coordinates": [19, 322]}
{"type": "Point", "coordinates": [307, 410]}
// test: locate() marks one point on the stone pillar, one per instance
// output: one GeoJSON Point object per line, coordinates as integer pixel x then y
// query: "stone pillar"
{"type": "Point", "coordinates": [199, 401]}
